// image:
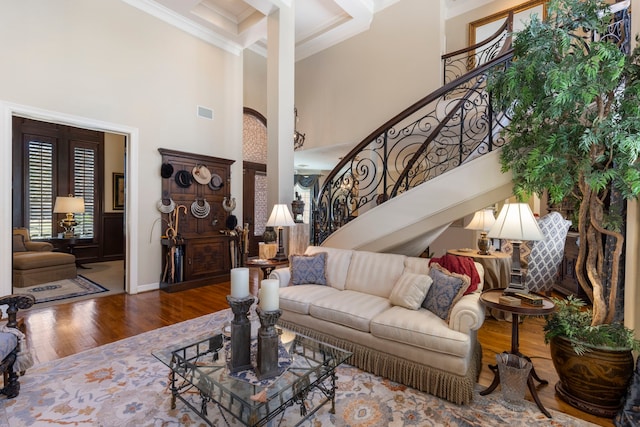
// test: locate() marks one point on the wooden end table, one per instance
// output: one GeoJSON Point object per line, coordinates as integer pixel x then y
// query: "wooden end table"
{"type": "Point", "coordinates": [266, 265]}
{"type": "Point", "coordinates": [490, 298]}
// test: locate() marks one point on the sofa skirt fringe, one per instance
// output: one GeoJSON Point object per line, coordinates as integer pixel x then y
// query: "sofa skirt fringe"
{"type": "Point", "coordinates": [454, 388]}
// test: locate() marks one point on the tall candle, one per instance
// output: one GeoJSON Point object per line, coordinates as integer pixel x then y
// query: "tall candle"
{"type": "Point", "coordinates": [240, 282]}
{"type": "Point", "coordinates": [269, 297]}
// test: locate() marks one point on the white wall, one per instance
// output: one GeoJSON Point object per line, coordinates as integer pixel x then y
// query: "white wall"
{"type": "Point", "coordinates": [347, 91]}
{"type": "Point", "coordinates": [107, 62]}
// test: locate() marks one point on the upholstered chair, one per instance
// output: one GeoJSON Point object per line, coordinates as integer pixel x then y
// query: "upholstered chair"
{"type": "Point", "coordinates": [541, 259]}
{"type": "Point", "coordinates": [546, 255]}
{"type": "Point", "coordinates": [37, 262]}
{"type": "Point", "coordinates": [13, 355]}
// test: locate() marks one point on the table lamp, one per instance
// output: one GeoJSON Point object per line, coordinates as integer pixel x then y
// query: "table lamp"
{"type": "Point", "coordinates": [516, 223]}
{"type": "Point", "coordinates": [69, 205]}
{"type": "Point", "coordinates": [483, 221]}
{"type": "Point", "coordinates": [280, 217]}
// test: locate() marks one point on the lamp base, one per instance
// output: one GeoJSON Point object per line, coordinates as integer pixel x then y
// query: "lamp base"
{"type": "Point", "coordinates": [279, 257]}
{"type": "Point", "coordinates": [483, 244]}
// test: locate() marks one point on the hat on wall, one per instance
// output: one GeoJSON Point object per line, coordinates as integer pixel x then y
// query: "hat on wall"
{"type": "Point", "coordinates": [216, 182]}
{"type": "Point", "coordinates": [201, 174]}
{"type": "Point", "coordinates": [183, 179]}
{"type": "Point", "coordinates": [166, 170]}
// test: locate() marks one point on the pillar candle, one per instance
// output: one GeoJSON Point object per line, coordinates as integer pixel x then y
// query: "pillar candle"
{"type": "Point", "coordinates": [240, 282]}
{"type": "Point", "coordinates": [269, 298]}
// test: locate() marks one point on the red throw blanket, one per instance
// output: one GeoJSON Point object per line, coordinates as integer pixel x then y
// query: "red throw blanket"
{"type": "Point", "coordinates": [460, 265]}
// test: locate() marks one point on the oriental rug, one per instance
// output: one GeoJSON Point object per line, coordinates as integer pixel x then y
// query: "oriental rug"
{"type": "Point", "coordinates": [122, 384]}
{"type": "Point", "coordinates": [62, 289]}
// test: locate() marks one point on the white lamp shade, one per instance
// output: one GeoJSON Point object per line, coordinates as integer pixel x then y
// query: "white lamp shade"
{"type": "Point", "coordinates": [69, 204]}
{"type": "Point", "coordinates": [482, 220]}
{"type": "Point", "coordinates": [516, 222]}
{"type": "Point", "coordinates": [280, 217]}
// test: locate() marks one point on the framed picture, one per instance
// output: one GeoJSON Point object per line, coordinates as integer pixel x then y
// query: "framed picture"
{"type": "Point", "coordinates": [483, 28]}
{"type": "Point", "coordinates": [118, 191]}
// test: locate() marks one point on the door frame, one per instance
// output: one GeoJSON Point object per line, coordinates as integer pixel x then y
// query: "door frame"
{"type": "Point", "coordinates": [7, 111]}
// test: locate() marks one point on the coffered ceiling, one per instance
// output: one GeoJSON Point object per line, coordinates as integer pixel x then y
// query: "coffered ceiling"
{"type": "Point", "coordinates": [235, 25]}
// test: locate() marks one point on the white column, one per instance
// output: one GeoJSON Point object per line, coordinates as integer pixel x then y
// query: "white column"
{"type": "Point", "coordinates": [280, 104]}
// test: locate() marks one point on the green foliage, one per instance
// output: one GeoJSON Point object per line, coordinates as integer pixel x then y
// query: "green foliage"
{"type": "Point", "coordinates": [575, 106]}
{"type": "Point", "coordinates": [572, 320]}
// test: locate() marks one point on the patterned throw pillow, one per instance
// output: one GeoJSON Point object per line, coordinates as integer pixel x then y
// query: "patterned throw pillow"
{"type": "Point", "coordinates": [308, 269]}
{"type": "Point", "coordinates": [410, 290]}
{"type": "Point", "coordinates": [18, 243]}
{"type": "Point", "coordinates": [447, 288]}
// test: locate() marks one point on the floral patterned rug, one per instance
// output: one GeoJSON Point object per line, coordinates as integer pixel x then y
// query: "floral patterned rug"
{"type": "Point", "coordinates": [122, 384]}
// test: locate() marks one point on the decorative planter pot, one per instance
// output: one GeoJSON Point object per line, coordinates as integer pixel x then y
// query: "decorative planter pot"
{"type": "Point", "coordinates": [594, 382]}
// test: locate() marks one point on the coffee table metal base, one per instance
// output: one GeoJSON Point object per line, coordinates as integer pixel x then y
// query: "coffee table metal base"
{"type": "Point", "coordinates": [200, 378]}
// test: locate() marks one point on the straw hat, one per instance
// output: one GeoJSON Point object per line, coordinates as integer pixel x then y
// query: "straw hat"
{"type": "Point", "coordinates": [201, 174]}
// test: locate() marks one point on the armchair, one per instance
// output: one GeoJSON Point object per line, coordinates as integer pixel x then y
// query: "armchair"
{"type": "Point", "coordinates": [36, 262]}
{"type": "Point", "coordinates": [546, 255]}
{"type": "Point", "coordinates": [12, 352]}
{"type": "Point", "coordinates": [541, 259]}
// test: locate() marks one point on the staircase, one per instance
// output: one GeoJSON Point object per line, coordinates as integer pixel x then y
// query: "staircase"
{"type": "Point", "coordinates": [433, 163]}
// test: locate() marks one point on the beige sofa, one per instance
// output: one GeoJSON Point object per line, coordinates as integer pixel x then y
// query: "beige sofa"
{"type": "Point", "coordinates": [36, 262]}
{"type": "Point", "coordinates": [411, 346]}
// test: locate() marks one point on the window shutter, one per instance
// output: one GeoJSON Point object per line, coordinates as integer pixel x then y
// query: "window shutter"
{"type": "Point", "coordinates": [40, 188]}
{"type": "Point", "coordinates": [84, 185]}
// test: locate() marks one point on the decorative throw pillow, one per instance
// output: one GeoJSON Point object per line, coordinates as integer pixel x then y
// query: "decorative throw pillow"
{"type": "Point", "coordinates": [308, 269]}
{"type": "Point", "coordinates": [410, 290]}
{"type": "Point", "coordinates": [447, 288]}
{"type": "Point", "coordinates": [18, 243]}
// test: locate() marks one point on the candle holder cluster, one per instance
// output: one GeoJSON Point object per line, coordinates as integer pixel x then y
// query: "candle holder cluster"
{"type": "Point", "coordinates": [268, 311]}
{"type": "Point", "coordinates": [268, 343]}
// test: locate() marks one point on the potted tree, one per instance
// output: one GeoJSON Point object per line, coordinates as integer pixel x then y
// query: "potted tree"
{"type": "Point", "coordinates": [574, 102]}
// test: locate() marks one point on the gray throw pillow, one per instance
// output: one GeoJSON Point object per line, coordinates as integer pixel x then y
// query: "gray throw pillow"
{"type": "Point", "coordinates": [308, 269]}
{"type": "Point", "coordinates": [447, 288]}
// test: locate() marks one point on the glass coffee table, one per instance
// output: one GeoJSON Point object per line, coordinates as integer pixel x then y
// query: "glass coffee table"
{"type": "Point", "coordinates": [200, 377]}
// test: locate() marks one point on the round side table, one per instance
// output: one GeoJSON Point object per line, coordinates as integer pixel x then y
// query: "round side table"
{"type": "Point", "coordinates": [491, 299]}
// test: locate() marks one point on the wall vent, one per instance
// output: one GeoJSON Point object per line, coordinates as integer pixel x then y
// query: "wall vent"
{"type": "Point", "coordinates": [205, 113]}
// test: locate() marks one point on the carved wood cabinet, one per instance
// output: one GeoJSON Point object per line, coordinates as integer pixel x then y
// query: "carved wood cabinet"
{"type": "Point", "coordinates": [195, 249]}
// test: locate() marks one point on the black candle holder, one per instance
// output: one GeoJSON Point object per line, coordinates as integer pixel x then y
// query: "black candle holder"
{"type": "Point", "coordinates": [268, 342]}
{"type": "Point", "coordinates": [240, 333]}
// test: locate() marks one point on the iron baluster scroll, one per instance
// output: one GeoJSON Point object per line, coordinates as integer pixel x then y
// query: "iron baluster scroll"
{"type": "Point", "coordinates": [457, 64]}
{"type": "Point", "coordinates": [448, 128]}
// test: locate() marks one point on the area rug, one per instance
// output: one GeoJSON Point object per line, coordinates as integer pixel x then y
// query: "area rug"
{"type": "Point", "coordinates": [122, 384]}
{"type": "Point", "coordinates": [62, 289]}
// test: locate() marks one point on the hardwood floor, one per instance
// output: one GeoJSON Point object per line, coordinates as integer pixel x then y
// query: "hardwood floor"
{"type": "Point", "coordinates": [65, 329]}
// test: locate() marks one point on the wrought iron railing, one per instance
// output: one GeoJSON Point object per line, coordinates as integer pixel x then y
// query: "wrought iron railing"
{"type": "Point", "coordinates": [457, 64]}
{"type": "Point", "coordinates": [452, 126]}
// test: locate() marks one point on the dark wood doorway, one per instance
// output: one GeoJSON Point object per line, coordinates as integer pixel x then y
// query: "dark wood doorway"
{"type": "Point", "coordinates": [254, 202]}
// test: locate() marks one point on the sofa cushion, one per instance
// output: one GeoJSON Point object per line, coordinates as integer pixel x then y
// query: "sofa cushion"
{"type": "Point", "coordinates": [30, 260]}
{"type": "Point", "coordinates": [447, 288]}
{"type": "Point", "coordinates": [18, 243]}
{"type": "Point", "coordinates": [337, 264]}
{"type": "Point", "coordinates": [410, 290]}
{"type": "Point", "coordinates": [299, 298]}
{"type": "Point", "coordinates": [308, 269]}
{"type": "Point", "coordinates": [420, 328]}
{"type": "Point", "coordinates": [374, 273]}
{"type": "Point", "coordinates": [416, 265]}
{"type": "Point", "coordinates": [349, 308]}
